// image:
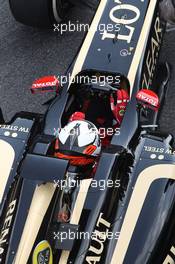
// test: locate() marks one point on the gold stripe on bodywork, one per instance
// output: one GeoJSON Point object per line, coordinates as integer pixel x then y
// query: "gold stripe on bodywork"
{"type": "Point", "coordinates": [76, 214]}
{"type": "Point", "coordinates": [7, 156]}
{"type": "Point", "coordinates": [41, 200]}
{"type": "Point", "coordinates": [144, 182]}
{"type": "Point", "coordinates": [88, 40]}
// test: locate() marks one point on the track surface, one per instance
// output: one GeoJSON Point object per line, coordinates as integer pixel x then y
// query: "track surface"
{"type": "Point", "coordinates": [27, 53]}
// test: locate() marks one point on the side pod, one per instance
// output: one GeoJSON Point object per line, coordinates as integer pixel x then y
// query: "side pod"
{"type": "Point", "coordinates": [147, 224]}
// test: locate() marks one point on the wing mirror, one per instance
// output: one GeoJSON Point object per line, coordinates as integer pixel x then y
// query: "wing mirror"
{"type": "Point", "coordinates": [46, 84]}
{"type": "Point", "coordinates": [148, 99]}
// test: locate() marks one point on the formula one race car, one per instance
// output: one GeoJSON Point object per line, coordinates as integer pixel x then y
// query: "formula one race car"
{"type": "Point", "coordinates": [93, 180]}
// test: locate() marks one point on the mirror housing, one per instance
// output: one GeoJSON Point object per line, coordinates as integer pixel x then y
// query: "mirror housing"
{"type": "Point", "coordinates": [148, 99]}
{"type": "Point", "coordinates": [46, 84]}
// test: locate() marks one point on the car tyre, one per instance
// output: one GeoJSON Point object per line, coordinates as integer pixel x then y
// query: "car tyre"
{"type": "Point", "coordinates": [39, 13]}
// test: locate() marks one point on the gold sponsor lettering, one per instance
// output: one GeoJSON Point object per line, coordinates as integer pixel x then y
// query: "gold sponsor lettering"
{"type": "Point", "coordinates": [99, 238]}
{"type": "Point", "coordinates": [152, 56]}
{"type": "Point", "coordinates": [170, 259]}
{"type": "Point", "coordinates": [6, 226]}
{"type": "Point", "coordinates": [122, 21]}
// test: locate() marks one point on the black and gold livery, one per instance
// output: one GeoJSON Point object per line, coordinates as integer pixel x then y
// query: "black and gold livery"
{"type": "Point", "coordinates": [139, 212]}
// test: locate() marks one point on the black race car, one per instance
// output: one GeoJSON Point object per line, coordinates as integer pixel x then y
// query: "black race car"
{"type": "Point", "coordinates": [121, 208]}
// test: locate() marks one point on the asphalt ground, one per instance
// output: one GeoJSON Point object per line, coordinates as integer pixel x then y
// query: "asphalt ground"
{"type": "Point", "coordinates": [27, 54]}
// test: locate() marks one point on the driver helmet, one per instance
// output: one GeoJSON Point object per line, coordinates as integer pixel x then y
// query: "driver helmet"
{"type": "Point", "coordinates": [79, 142]}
